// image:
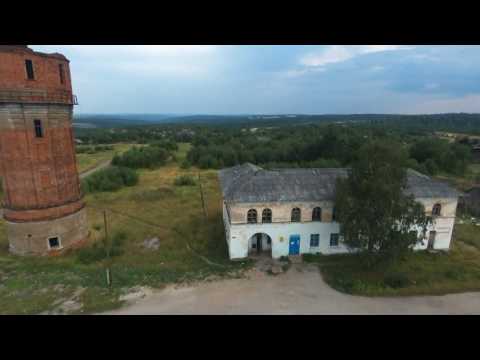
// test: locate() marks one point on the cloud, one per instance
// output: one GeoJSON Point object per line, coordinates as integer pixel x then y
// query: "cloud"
{"type": "Point", "coordinates": [148, 51]}
{"type": "Point", "coordinates": [150, 60]}
{"type": "Point", "coordinates": [340, 53]}
{"type": "Point", "coordinates": [377, 68]}
{"type": "Point", "coordinates": [469, 103]}
{"type": "Point", "coordinates": [273, 79]}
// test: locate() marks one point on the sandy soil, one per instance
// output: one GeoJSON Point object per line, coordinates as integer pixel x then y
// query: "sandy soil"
{"type": "Point", "coordinates": [301, 290]}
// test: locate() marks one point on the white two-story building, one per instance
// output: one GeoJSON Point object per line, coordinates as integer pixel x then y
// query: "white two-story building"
{"type": "Point", "coordinates": [292, 211]}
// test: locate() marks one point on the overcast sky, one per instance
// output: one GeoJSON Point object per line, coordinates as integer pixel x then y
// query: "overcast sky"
{"type": "Point", "coordinates": [323, 79]}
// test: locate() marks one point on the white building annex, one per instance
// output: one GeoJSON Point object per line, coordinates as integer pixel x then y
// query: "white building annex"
{"type": "Point", "coordinates": [291, 211]}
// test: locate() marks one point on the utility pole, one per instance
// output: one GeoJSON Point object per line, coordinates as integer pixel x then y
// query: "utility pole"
{"type": "Point", "coordinates": [202, 197]}
{"type": "Point", "coordinates": [107, 250]}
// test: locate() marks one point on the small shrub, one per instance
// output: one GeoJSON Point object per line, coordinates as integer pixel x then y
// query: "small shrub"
{"type": "Point", "coordinates": [186, 164]}
{"type": "Point", "coordinates": [285, 267]}
{"type": "Point", "coordinates": [97, 252]}
{"type": "Point", "coordinates": [185, 180]}
{"type": "Point", "coordinates": [86, 149]}
{"type": "Point", "coordinates": [91, 254]}
{"type": "Point", "coordinates": [110, 179]}
{"type": "Point", "coordinates": [396, 280]}
{"type": "Point", "coordinates": [311, 258]}
{"type": "Point", "coordinates": [344, 284]}
{"type": "Point", "coordinates": [142, 157]}
{"type": "Point", "coordinates": [358, 286]}
{"type": "Point", "coordinates": [169, 145]}
{"type": "Point", "coordinates": [454, 274]}
{"type": "Point", "coordinates": [431, 167]}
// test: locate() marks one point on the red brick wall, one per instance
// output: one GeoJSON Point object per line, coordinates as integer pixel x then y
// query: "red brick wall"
{"type": "Point", "coordinates": [13, 74]}
{"type": "Point", "coordinates": [38, 172]}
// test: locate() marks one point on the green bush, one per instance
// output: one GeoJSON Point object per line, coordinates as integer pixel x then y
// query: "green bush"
{"type": "Point", "coordinates": [431, 167]}
{"type": "Point", "coordinates": [85, 149]}
{"type": "Point", "coordinates": [169, 145]}
{"type": "Point", "coordinates": [110, 179]}
{"type": "Point", "coordinates": [396, 280]}
{"type": "Point", "coordinates": [82, 149]}
{"type": "Point", "coordinates": [187, 165]}
{"type": "Point", "coordinates": [99, 148]}
{"type": "Point", "coordinates": [98, 251]}
{"type": "Point", "coordinates": [142, 157]}
{"type": "Point", "coordinates": [455, 274]}
{"type": "Point", "coordinates": [477, 178]}
{"type": "Point", "coordinates": [184, 180]}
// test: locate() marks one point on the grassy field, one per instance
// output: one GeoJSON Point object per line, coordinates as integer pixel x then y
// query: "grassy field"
{"type": "Point", "coordinates": [191, 248]}
{"type": "Point", "coordinates": [86, 162]}
{"type": "Point", "coordinates": [420, 273]}
{"type": "Point", "coordinates": [463, 183]}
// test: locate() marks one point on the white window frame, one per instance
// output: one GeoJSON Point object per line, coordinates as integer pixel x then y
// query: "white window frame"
{"type": "Point", "coordinates": [312, 246]}
{"type": "Point", "coordinates": [330, 241]}
{"type": "Point", "coordinates": [59, 243]}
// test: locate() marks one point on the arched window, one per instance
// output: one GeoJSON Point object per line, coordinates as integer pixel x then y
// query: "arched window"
{"type": "Point", "coordinates": [252, 216]}
{"type": "Point", "coordinates": [317, 214]}
{"type": "Point", "coordinates": [296, 215]}
{"type": "Point", "coordinates": [437, 209]}
{"type": "Point", "coordinates": [266, 216]}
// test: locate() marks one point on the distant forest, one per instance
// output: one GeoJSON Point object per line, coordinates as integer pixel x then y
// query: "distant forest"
{"type": "Point", "coordinates": [458, 122]}
{"type": "Point", "coordinates": [304, 141]}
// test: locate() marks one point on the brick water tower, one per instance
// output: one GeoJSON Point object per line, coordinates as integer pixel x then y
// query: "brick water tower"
{"type": "Point", "coordinates": [42, 200]}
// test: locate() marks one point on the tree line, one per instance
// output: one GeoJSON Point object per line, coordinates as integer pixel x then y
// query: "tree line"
{"type": "Point", "coordinates": [322, 146]}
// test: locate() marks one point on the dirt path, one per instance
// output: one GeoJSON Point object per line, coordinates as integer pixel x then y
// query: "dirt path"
{"type": "Point", "coordinates": [299, 291]}
{"type": "Point", "coordinates": [101, 165]}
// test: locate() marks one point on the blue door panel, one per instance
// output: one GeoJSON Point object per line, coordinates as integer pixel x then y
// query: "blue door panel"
{"type": "Point", "coordinates": [294, 245]}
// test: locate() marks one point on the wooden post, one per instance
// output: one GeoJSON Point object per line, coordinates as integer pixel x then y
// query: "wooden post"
{"type": "Point", "coordinates": [202, 197]}
{"type": "Point", "coordinates": [107, 250]}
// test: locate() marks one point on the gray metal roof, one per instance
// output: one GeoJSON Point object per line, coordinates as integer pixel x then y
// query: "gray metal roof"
{"type": "Point", "coordinates": [422, 186]}
{"type": "Point", "coordinates": [248, 183]}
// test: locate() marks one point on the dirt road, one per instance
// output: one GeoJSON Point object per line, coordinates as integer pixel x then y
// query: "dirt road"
{"type": "Point", "coordinates": [102, 165]}
{"type": "Point", "coordinates": [299, 291]}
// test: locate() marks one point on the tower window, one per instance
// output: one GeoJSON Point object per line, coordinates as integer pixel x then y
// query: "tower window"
{"type": "Point", "coordinates": [54, 242]}
{"type": "Point", "coordinates": [62, 73]}
{"type": "Point", "coordinates": [38, 128]}
{"type": "Point", "coordinates": [29, 68]}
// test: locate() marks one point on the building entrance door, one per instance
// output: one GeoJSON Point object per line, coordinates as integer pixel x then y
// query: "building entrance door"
{"type": "Point", "coordinates": [431, 239]}
{"type": "Point", "coordinates": [259, 243]}
{"type": "Point", "coordinates": [294, 245]}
